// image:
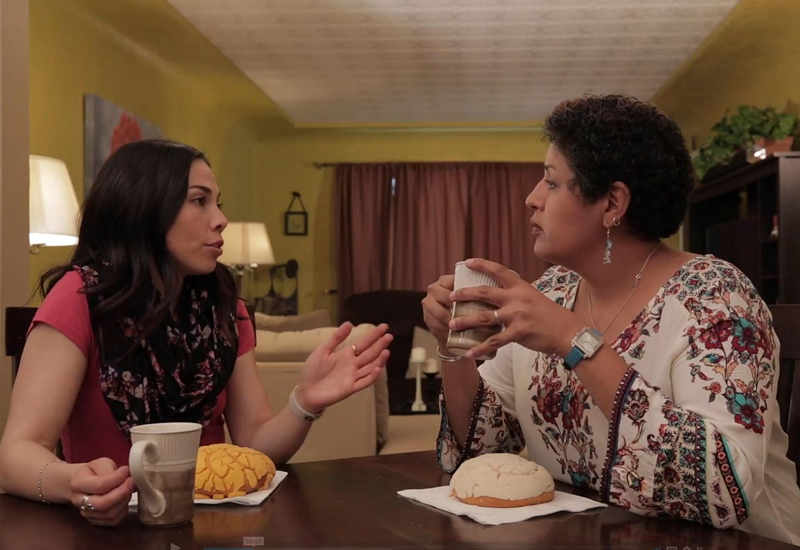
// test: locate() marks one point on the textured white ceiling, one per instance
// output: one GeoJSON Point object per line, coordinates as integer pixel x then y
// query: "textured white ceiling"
{"type": "Point", "coordinates": [328, 62]}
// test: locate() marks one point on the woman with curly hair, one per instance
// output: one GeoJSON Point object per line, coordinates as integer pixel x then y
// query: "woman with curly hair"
{"type": "Point", "coordinates": [645, 373]}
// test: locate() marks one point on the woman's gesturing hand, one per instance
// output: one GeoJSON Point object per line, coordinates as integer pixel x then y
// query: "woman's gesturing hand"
{"type": "Point", "coordinates": [330, 376]}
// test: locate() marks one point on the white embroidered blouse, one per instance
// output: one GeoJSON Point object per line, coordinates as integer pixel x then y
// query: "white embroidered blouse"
{"type": "Point", "coordinates": [695, 432]}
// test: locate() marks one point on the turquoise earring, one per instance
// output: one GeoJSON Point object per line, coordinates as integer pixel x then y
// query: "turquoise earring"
{"type": "Point", "coordinates": [609, 244]}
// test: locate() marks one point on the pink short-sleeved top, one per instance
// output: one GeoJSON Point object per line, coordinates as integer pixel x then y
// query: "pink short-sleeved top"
{"type": "Point", "coordinates": [91, 431]}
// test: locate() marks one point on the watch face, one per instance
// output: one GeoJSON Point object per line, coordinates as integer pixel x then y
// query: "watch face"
{"type": "Point", "coordinates": [588, 341]}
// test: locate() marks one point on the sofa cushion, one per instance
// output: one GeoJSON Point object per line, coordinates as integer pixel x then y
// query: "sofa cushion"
{"type": "Point", "coordinates": [285, 323]}
{"type": "Point", "coordinates": [298, 345]}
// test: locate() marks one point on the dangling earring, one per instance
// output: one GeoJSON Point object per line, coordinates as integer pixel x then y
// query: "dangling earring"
{"type": "Point", "coordinates": [609, 244]}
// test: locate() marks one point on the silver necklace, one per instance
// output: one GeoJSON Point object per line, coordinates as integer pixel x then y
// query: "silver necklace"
{"type": "Point", "coordinates": [635, 284]}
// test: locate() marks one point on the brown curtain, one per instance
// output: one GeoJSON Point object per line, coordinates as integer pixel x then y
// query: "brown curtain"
{"type": "Point", "coordinates": [499, 228]}
{"type": "Point", "coordinates": [404, 236]}
{"type": "Point", "coordinates": [362, 209]}
{"type": "Point", "coordinates": [430, 223]}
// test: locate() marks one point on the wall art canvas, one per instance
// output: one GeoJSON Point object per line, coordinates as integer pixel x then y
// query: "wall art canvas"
{"type": "Point", "coordinates": [107, 127]}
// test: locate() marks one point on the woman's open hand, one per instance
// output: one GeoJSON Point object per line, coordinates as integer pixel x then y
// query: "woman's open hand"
{"type": "Point", "coordinates": [330, 376]}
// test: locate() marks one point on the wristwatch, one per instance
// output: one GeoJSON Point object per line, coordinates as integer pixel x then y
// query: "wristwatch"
{"type": "Point", "coordinates": [584, 345]}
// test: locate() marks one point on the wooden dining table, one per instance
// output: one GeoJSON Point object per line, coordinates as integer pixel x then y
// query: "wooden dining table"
{"type": "Point", "coordinates": [354, 503]}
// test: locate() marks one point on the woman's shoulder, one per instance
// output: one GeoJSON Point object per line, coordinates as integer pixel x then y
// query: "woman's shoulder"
{"type": "Point", "coordinates": [707, 285]}
{"type": "Point", "coordinates": [66, 309]}
{"type": "Point", "coordinates": [703, 275]}
{"type": "Point", "coordinates": [69, 287]}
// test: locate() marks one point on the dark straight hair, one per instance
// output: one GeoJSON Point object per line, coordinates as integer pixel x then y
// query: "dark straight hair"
{"type": "Point", "coordinates": [124, 222]}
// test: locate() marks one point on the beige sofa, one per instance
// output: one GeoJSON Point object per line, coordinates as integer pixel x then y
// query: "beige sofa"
{"type": "Point", "coordinates": [358, 426]}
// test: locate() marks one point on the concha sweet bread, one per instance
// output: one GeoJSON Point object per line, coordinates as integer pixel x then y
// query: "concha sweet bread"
{"type": "Point", "coordinates": [225, 471]}
{"type": "Point", "coordinates": [502, 480]}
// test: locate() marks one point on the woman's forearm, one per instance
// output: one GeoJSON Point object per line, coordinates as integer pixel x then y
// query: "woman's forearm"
{"type": "Point", "coordinates": [601, 375]}
{"type": "Point", "coordinates": [460, 381]}
{"type": "Point", "coordinates": [281, 436]}
{"type": "Point", "coordinates": [20, 465]}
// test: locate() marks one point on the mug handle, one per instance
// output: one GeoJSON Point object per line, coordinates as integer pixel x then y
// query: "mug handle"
{"type": "Point", "coordinates": [154, 499]}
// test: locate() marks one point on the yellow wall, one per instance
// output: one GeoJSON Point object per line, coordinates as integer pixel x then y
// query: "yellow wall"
{"type": "Point", "coordinates": [286, 165]}
{"type": "Point", "coordinates": [143, 56]}
{"type": "Point", "coordinates": [751, 58]}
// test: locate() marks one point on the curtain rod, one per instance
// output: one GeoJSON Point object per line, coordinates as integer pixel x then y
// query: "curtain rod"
{"type": "Point", "coordinates": [321, 165]}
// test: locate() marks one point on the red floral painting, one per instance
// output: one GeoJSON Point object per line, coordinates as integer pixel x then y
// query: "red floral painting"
{"type": "Point", "coordinates": [127, 131]}
{"type": "Point", "coordinates": [107, 127]}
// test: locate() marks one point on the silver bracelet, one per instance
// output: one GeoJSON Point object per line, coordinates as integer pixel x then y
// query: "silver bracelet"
{"type": "Point", "coordinates": [448, 358]}
{"type": "Point", "coordinates": [299, 411]}
{"type": "Point", "coordinates": [41, 475]}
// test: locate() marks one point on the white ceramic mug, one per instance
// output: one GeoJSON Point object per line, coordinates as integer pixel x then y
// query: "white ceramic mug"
{"type": "Point", "coordinates": [163, 460]}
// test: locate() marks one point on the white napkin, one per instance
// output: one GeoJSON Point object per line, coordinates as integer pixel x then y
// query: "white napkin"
{"type": "Point", "coordinates": [251, 499]}
{"type": "Point", "coordinates": [440, 497]}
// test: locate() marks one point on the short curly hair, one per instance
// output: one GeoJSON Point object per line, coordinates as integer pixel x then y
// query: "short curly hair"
{"type": "Point", "coordinates": [608, 138]}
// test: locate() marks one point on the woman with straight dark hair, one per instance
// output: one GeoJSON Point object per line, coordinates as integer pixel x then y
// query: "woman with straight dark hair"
{"type": "Point", "coordinates": [143, 326]}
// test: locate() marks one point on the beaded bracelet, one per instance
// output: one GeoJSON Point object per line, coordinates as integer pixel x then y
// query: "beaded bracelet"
{"type": "Point", "coordinates": [41, 474]}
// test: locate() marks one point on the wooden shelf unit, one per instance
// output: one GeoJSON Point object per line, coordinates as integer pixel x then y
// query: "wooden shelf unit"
{"type": "Point", "coordinates": [732, 218]}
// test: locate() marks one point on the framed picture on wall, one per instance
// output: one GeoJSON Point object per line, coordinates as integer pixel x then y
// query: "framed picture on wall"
{"type": "Point", "coordinates": [296, 223]}
{"type": "Point", "coordinates": [107, 127]}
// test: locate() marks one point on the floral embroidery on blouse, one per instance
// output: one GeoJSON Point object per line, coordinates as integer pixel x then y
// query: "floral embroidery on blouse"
{"type": "Point", "coordinates": [491, 431]}
{"type": "Point", "coordinates": [694, 451]}
{"type": "Point", "coordinates": [559, 414]}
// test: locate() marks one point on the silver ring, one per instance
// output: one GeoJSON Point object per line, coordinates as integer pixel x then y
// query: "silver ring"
{"type": "Point", "coordinates": [499, 322]}
{"type": "Point", "coordinates": [355, 350]}
{"type": "Point", "coordinates": [86, 506]}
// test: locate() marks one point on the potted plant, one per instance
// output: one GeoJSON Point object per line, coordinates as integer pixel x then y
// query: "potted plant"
{"type": "Point", "coordinates": [748, 126]}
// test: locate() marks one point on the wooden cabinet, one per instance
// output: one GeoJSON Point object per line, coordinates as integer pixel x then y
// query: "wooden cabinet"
{"type": "Point", "coordinates": [734, 217]}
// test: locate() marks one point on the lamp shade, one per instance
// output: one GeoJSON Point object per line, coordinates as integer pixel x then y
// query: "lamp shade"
{"type": "Point", "coordinates": [53, 204]}
{"type": "Point", "coordinates": [247, 243]}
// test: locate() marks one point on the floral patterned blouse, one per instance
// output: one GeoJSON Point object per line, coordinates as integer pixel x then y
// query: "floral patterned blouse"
{"type": "Point", "coordinates": [695, 430]}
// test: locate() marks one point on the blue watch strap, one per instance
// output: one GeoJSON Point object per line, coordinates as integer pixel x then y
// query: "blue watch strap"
{"type": "Point", "coordinates": [574, 357]}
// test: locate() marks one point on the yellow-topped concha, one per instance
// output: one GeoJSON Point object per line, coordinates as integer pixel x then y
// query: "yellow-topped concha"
{"type": "Point", "coordinates": [225, 470]}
